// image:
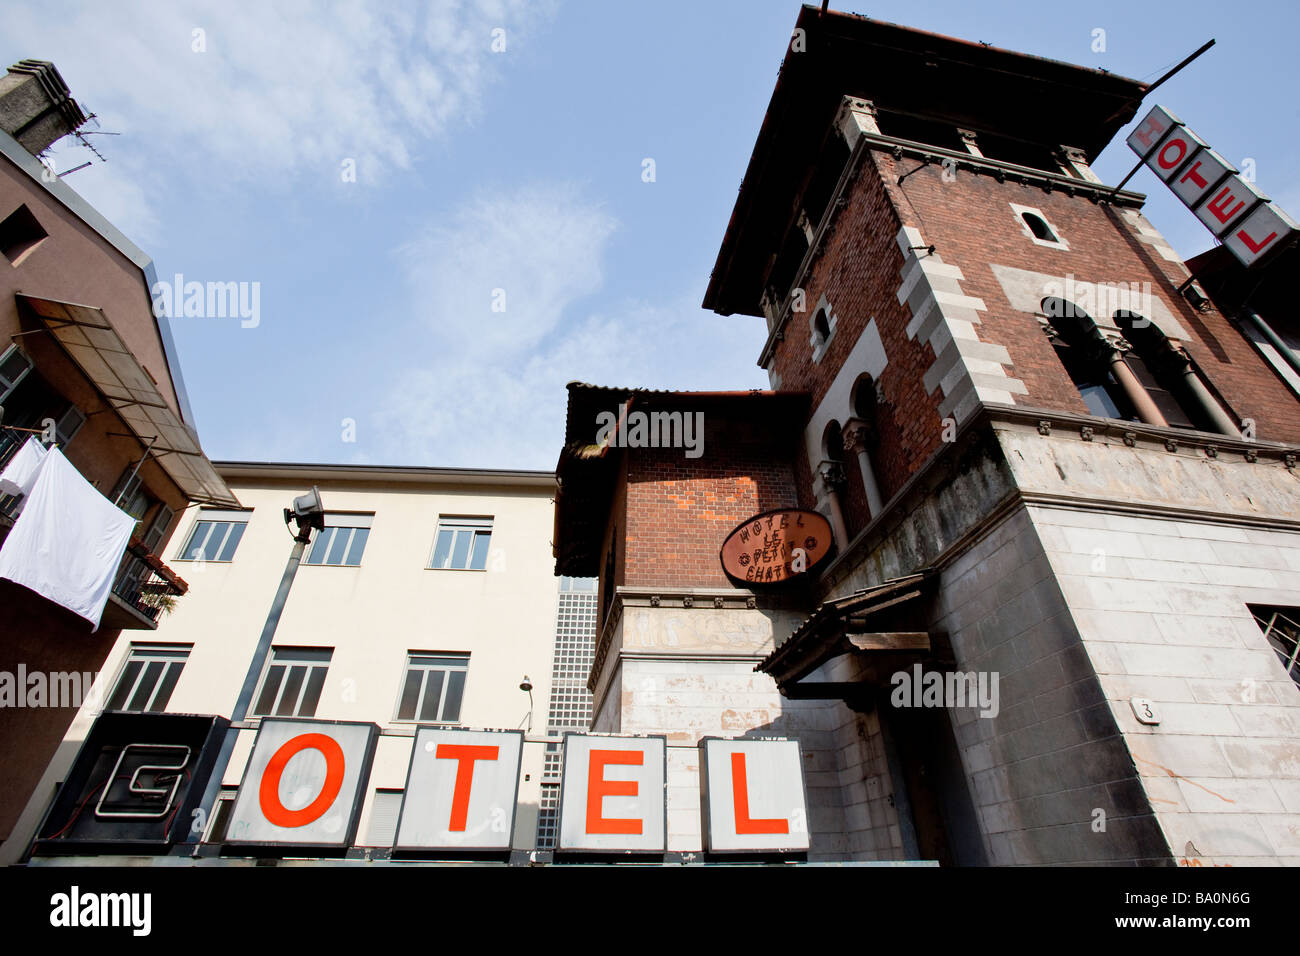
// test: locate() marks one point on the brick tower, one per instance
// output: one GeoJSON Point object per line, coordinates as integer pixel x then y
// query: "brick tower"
{"type": "Point", "coordinates": [1046, 468]}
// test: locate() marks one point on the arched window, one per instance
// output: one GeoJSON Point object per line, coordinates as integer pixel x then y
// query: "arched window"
{"type": "Point", "coordinates": [863, 398]}
{"type": "Point", "coordinates": [821, 326]}
{"type": "Point", "coordinates": [863, 434]}
{"type": "Point", "coordinates": [1039, 227]}
{"type": "Point", "coordinates": [833, 441]}
{"type": "Point", "coordinates": [1085, 353]}
{"type": "Point", "coordinates": [1163, 372]}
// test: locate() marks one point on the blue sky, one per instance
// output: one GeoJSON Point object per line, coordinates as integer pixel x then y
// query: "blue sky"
{"type": "Point", "coordinates": [518, 170]}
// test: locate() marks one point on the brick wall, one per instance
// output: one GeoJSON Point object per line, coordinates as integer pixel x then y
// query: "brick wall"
{"type": "Point", "coordinates": [679, 510]}
{"type": "Point", "coordinates": [858, 272]}
{"type": "Point", "coordinates": [973, 227]}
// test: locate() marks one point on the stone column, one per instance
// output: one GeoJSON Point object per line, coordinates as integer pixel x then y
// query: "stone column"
{"type": "Point", "coordinates": [830, 476]}
{"type": "Point", "coordinates": [1146, 408]}
{"type": "Point", "coordinates": [1213, 410]}
{"type": "Point", "coordinates": [857, 434]}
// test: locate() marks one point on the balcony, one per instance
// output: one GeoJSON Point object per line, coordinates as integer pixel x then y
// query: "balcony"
{"type": "Point", "coordinates": [144, 589]}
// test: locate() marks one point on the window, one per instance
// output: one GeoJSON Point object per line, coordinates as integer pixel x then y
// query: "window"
{"type": "Point", "coordinates": [27, 400]}
{"type": "Point", "coordinates": [293, 682]}
{"type": "Point", "coordinates": [1086, 355]}
{"type": "Point", "coordinates": [433, 687]}
{"type": "Point", "coordinates": [14, 366]}
{"type": "Point", "coordinates": [822, 324]}
{"type": "Point", "coordinates": [130, 494]}
{"type": "Point", "coordinates": [20, 233]}
{"type": "Point", "coordinates": [215, 537]}
{"type": "Point", "coordinates": [340, 542]}
{"type": "Point", "coordinates": [147, 680]}
{"type": "Point", "coordinates": [68, 424]}
{"type": "Point", "coordinates": [1036, 227]}
{"type": "Point", "coordinates": [461, 544]}
{"type": "Point", "coordinates": [1281, 627]}
{"type": "Point", "coordinates": [1170, 377]}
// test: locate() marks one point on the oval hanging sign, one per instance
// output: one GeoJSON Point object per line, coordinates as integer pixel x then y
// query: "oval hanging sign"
{"type": "Point", "coordinates": [776, 546]}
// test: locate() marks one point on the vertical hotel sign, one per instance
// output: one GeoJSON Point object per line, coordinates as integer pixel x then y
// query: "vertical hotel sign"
{"type": "Point", "coordinates": [1238, 214]}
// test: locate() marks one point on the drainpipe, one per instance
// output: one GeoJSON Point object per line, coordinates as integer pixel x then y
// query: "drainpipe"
{"type": "Point", "coordinates": [832, 478]}
{"type": "Point", "coordinates": [856, 435]}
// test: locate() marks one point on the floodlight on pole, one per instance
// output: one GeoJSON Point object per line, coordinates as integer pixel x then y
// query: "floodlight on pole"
{"type": "Point", "coordinates": [309, 512]}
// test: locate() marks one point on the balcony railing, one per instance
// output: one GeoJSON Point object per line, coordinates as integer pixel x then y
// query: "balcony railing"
{"type": "Point", "coordinates": [146, 584]}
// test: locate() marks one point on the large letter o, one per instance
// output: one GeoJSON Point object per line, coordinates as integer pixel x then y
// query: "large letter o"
{"type": "Point", "coordinates": [269, 793]}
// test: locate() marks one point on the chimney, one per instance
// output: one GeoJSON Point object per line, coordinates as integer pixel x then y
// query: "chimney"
{"type": "Point", "coordinates": [36, 106]}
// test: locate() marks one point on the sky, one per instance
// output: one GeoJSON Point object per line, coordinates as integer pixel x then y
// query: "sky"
{"type": "Point", "coordinates": [443, 207]}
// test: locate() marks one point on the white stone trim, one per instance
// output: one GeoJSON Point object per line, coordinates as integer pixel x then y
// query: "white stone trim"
{"type": "Point", "coordinates": [1025, 291]}
{"type": "Point", "coordinates": [867, 358]}
{"type": "Point", "coordinates": [967, 370]}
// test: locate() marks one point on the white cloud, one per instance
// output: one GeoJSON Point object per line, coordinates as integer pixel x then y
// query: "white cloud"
{"type": "Point", "coordinates": [489, 390]}
{"type": "Point", "coordinates": [283, 89]}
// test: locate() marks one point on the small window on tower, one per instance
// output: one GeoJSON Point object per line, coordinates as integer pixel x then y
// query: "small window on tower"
{"type": "Point", "coordinates": [822, 325]}
{"type": "Point", "coordinates": [1039, 228]}
{"type": "Point", "coordinates": [1036, 226]}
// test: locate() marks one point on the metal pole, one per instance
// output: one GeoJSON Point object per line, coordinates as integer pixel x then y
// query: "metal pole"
{"type": "Point", "coordinates": [126, 482]}
{"type": "Point", "coordinates": [245, 699]}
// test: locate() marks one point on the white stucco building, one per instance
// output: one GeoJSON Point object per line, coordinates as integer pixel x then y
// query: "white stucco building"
{"type": "Point", "coordinates": [429, 597]}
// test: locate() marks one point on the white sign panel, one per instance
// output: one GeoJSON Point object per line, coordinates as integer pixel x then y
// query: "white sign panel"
{"type": "Point", "coordinates": [1228, 205]}
{"type": "Point", "coordinates": [612, 794]}
{"type": "Point", "coordinates": [754, 796]}
{"type": "Point", "coordinates": [1199, 176]}
{"type": "Point", "coordinates": [460, 790]}
{"type": "Point", "coordinates": [1152, 130]}
{"type": "Point", "coordinates": [1174, 150]}
{"type": "Point", "coordinates": [1259, 232]}
{"type": "Point", "coordinates": [304, 783]}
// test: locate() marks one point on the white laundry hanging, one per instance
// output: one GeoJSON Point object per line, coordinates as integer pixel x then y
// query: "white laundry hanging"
{"type": "Point", "coordinates": [20, 474]}
{"type": "Point", "coordinates": [67, 545]}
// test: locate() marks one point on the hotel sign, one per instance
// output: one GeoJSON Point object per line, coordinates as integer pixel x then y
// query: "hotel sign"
{"type": "Point", "coordinates": [612, 794]}
{"type": "Point", "coordinates": [460, 790]}
{"type": "Point", "coordinates": [1237, 213]}
{"type": "Point", "coordinates": [754, 799]}
{"type": "Point", "coordinates": [776, 547]}
{"type": "Point", "coordinates": [306, 781]}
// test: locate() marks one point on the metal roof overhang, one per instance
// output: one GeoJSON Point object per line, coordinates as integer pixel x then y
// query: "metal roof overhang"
{"type": "Point", "coordinates": [93, 344]}
{"type": "Point", "coordinates": [845, 626]}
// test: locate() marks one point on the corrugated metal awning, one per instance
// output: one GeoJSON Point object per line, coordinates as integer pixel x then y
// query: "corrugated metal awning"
{"type": "Point", "coordinates": [94, 345]}
{"type": "Point", "coordinates": [843, 626]}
